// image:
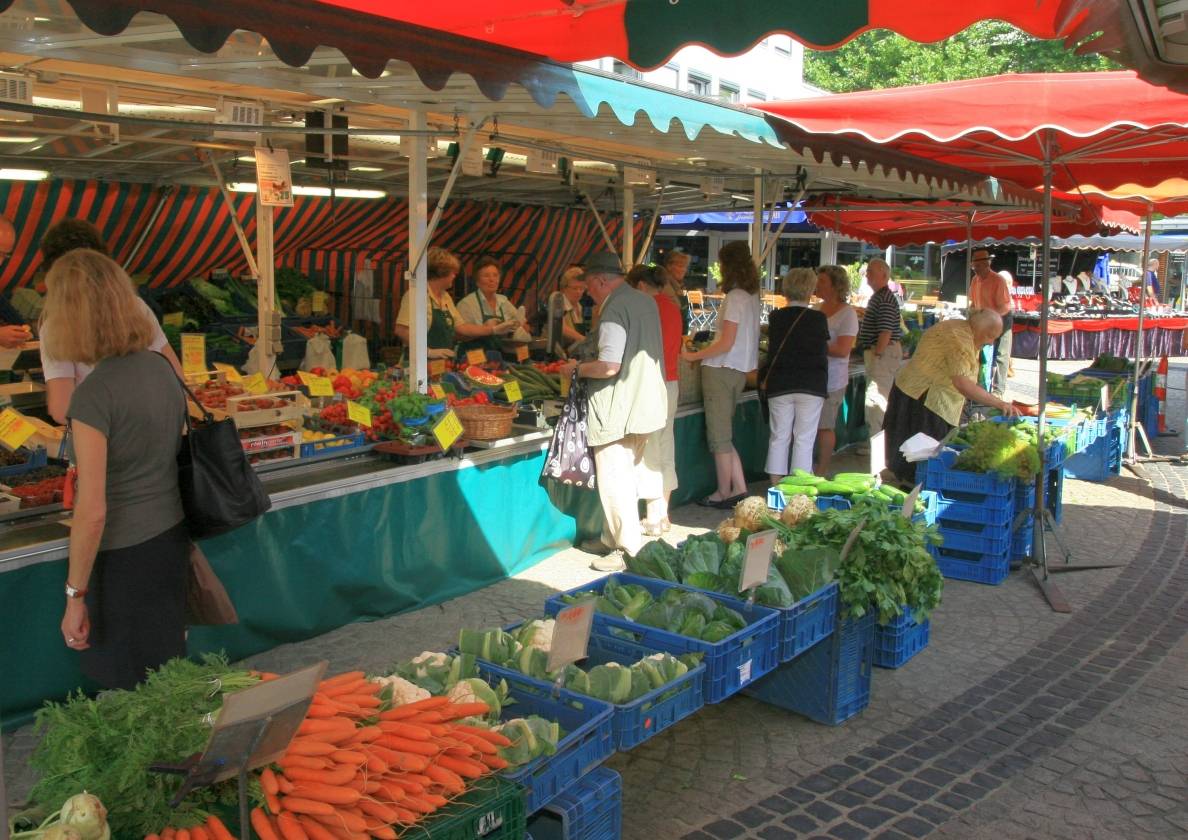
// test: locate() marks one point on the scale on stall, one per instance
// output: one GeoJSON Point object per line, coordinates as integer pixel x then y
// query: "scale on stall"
{"type": "Point", "coordinates": [253, 729]}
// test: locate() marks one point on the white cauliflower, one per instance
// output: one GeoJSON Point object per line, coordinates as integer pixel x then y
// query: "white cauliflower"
{"type": "Point", "coordinates": [537, 634]}
{"type": "Point", "coordinates": [402, 690]}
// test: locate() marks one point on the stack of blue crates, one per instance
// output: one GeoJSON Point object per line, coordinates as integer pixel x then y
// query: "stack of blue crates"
{"type": "Point", "coordinates": [1103, 458]}
{"type": "Point", "coordinates": [975, 512]}
{"type": "Point", "coordinates": [592, 809]}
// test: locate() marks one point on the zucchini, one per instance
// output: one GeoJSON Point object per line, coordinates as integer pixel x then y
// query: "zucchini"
{"type": "Point", "coordinates": [835, 488]}
{"type": "Point", "coordinates": [798, 490]}
{"type": "Point", "coordinates": [802, 481]}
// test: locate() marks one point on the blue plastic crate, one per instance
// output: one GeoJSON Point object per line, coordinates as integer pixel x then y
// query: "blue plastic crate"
{"type": "Point", "coordinates": [592, 809]}
{"type": "Point", "coordinates": [805, 623]}
{"type": "Point", "coordinates": [1100, 461]}
{"type": "Point", "coordinates": [334, 445]}
{"type": "Point", "coordinates": [775, 499]}
{"type": "Point", "coordinates": [979, 538]}
{"type": "Point", "coordinates": [1150, 415]}
{"type": "Point", "coordinates": [968, 565]}
{"type": "Point", "coordinates": [1053, 495]}
{"type": "Point", "coordinates": [974, 508]}
{"type": "Point", "coordinates": [938, 474]}
{"type": "Point", "coordinates": [1022, 542]}
{"type": "Point", "coordinates": [830, 682]}
{"type": "Point", "coordinates": [589, 737]}
{"type": "Point", "coordinates": [729, 664]}
{"type": "Point", "coordinates": [35, 459]}
{"type": "Point", "coordinates": [899, 641]}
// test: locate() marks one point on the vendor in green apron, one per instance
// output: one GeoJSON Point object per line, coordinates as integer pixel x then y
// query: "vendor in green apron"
{"type": "Point", "coordinates": [445, 325]}
{"type": "Point", "coordinates": [574, 327]}
{"type": "Point", "coordinates": [487, 308]}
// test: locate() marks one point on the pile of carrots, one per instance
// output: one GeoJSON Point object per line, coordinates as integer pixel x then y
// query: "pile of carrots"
{"type": "Point", "coordinates": [212, 829]}
{"type": "Point", "coordinates": [356, 770]}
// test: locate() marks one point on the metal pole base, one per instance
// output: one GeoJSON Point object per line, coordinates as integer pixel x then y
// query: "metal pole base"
{"type": "Point", "coordinates": [1042, 572]}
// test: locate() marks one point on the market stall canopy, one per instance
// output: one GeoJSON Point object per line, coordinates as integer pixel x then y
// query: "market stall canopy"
{"type": "Point", "coordinates": [1116, 242]}
{"type": "Point", "coordinates": [915, 223]}
{"type": "Point", "coordinates": [443, 37]}
{"type": "Point", "coordinates": [1104, 130]}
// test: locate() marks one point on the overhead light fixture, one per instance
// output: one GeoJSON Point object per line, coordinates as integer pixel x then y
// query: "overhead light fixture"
{"type": "Point", "coordinates": [340, 192]}
{"type": "Point", "coordinates": [23, 174]}
{"type": "Point", "coordinates": [246, 158]}
{"type": "Point", "coordinates": [18, 139]}
{"type": "Point", "coordinates": [367, 169]}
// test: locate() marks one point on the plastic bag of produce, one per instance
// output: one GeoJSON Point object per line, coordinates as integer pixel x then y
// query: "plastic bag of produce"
{"type": "Point", "coordinates": [354, 352]}
{"type": "Point", "coordinates": [319, 354]}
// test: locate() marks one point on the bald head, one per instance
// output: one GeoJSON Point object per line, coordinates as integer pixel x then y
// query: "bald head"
{"type": "Point", "coordinates": [1153, 264]}
{"type": "Point", "coordinates": [7, 237]}
{"type": "Point", "coordinates": [986, 325]}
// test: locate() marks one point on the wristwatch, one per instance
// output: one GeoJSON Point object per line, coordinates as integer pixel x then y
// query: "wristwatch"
{"type": "Point", "coordinates": [71, 592]}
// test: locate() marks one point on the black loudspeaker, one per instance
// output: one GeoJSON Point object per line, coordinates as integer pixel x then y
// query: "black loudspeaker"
{"type": "Point", "coordinates": [315, 144]}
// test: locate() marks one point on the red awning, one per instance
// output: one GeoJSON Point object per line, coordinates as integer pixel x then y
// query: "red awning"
{"type": "Point", "coordinates": [1107, 130]}
{"type": "Point", "coordinates": [643, 33]}
{"type": "Point", "coordinates": [917, 222]}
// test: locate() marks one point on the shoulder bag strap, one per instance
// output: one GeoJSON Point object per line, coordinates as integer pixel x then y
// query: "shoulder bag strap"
{"type": "Point", "coordinates": [787, 335]}
{"type": "Point", "coordinates": [207, 417]}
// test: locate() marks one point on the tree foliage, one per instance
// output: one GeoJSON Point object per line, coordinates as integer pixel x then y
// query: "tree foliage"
{"type": "Point", "coordinates": [883, 59]}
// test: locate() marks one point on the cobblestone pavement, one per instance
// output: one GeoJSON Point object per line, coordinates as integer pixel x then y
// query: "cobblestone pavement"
{"type": "Point", "coordinates": [1015, 722]}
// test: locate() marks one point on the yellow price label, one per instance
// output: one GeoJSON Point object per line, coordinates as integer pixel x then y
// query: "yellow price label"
{"type": "Point", "coordinates": [437, 367]}
{"type": "Point", "coordinates": [437, 391]}
{"type": "Point", "coordinates": [920, 317]}
{"type": "Point", "coordinates": [15, 429]}
{"type": "Point", "coordinates": [255, 384]}
{"type": "Point", "coordinates": [174, 319]}
{"type": "Point", "coordinates": [521, 352]}
{"type": "Point", "coordinates": [318, 304]}
{"type": "Point", "coordinates": [229, 371]}
{"type": "Point", "coordinates": [476, 357]}
{"type": "Point", "coordinates": [193, 347]}
{"type": "Point", "coordinates": [305, 376]}
{"type": "Point", "coordinates": [360, 414]}
{"type": "Point", "coordinates": [448, 430]}
{"type": "Point", "coordinates": [564, 386]}
{"type": "Point", "coordinates": [320, 386]}
{"type": "Point", "coordinates": [512, 389]}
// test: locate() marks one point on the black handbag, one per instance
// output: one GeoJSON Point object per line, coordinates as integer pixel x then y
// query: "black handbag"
{"type": "Point", "coordinates": [219, 489]}
{"type": "Point", "coordinates": [762, 389]}
{"type": "Point", "coordinates": [570, 459]}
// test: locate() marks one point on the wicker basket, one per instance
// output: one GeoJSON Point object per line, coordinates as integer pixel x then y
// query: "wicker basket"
{"type": "Point", "coordinates": [485, 422]}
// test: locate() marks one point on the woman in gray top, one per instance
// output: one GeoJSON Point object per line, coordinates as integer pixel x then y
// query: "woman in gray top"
{"type": "Point", "coordinates": [129, 547]}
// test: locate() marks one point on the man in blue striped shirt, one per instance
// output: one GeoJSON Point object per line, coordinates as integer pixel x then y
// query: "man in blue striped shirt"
{"type": "Point", "coordinates": [878, 339]}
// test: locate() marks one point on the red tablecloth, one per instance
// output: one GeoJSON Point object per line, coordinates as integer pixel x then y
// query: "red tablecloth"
{"type": "Point", "coordinates": [1103, 324]}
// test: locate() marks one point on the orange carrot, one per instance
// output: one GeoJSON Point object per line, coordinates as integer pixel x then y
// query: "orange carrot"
{"type": "Point", "coordinates": [448, 779]}
{"type": "Point", "coordinates": [273, 803]}
{"type": "Point", "coordinates": [417, 805]}
{"type": "Point", "coordinates": [198, 832]}
{"type": "Point", "coordinates": [495, 762]}
{"type": "Point", "coordinates": [268, 781]}
{"type": "Point", "coordinates": [431, 716]}
{"type": "Point", "coordinates": [405, 816]}
{"type": "Point", "coordinates": [414, 708]}
{"type": "Point", "coordinates": [436, 800]}
{"type": "Point", "coordinates": [183, 834]}
{"type": "Point", "coordinates": [152, 837]}
{"type": "Point", "coordinates": [407, 785]}
{"type": "Point", "coordinates": [496, 738]}
{"type": "Point", "coordinates": [405, 730]}
{"type": "Point", "coordinates": [284, 784]}
{"type": "Point", "coordinates": [461, 766]}
{"type": "Point", "coordinates": [309, 762]}
{"type": "Point", "coordinates": [463, 710]}
{"type": "Point", "coordinates": [306, 747]}
{"type": "Point", "coordinates": [216, 829]}
{"type": "Point", "coordinates": [262, 826]}
{"type": "Point", "coordinates": [367, 733]}
{"type": "Point", "coordinates": [363, 701]}
{"type": "Point", "coordinates": [344, 818]}
{"type": "Point", "coordinates": [382, 831]}
{"type": "Point", "coordinates": [375, 809]}
{"type": "Point", "coordinates": [327, 793]}
{"type": "Point", "coordinates": [342, 688]}
{"type": "Point", "coordinates": [168, 834]}
{"type": "Point", "coordinates": [348, 757]}
{"type": "Point", "coordinates": [480, 744]}
{"type": "Point", "coordinates": [339, 679]}
{"type": "Point", "coordinates": [290, 828]}
{"type": "Point", "coordinates": [306, 806]}
{"type": "Point", "coordinates": [321, 710]}
{"type": "Point", "coordinates": [404, 745]}
{"type": "Point", "coordinates": [314, 830]}
{"type": "Point", "coordinates": [338, 776]}
{"type": "Point", "coordinates": [310, 727]}
{"type": "Point", "coordinates": [376, 765]}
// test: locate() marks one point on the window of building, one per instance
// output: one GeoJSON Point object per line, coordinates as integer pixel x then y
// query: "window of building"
{"type": "Point", "coordinates": [757, 95]}
{"type": "Point", "coordinates": [698, 84]}
{"type": "Point", "coordinates": [783, 45]}
{"type": "Point", "coordinates": [668, 76]}
{"type": "Point", "coordinates": [621, 68]}
{"type": "Point", "coordinates": [728, 92]}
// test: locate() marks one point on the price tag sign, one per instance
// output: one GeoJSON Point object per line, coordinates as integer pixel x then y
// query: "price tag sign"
{"type": "Point", "coordinates": [757, 561]}
{"type": "Point", "coordinates": [174, 319]}
{"type": "Point", "coordinates": [521, 352]}
{"type": "Point", "coordinates": [512, 389]}
{"type": "Point", "coordinates": [878, 454]}
{"type": "Point", "coordinates": [318, 304]}
{"type": "Point", "coordinates": [305, 376]}
{"type": "Point", "coordinates": [255, 384]}
{"type": "Point", "coordinates": [476, 357]}
{"type": "Point", "coordinates": [571, 635]}
{"type": "Point", "coordinates": [193, 347]}
{"type": "Point", "coordinates": [437, 367]}
{"type": "Point", "coordinates": [360, 414]}
{"type": "Point", "coordinates": [229, 371]}
{"type": "Point", "coordinates": [909, 504]}
{"type": "Point", "coordinates": [1105, 398]}
{"type": "Point", "coordinates": [437, 391]}
{"type": "Point", "coordinates": [448, 430]}
{"type": "Point", "coordinates": [564, 386]}
{"type": "Point", "coordinates": [14, 429]}
{"type": "Point", "coordinates": [320, 386]}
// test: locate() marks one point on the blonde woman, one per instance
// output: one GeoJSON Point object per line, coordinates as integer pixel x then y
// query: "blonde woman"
{"type": "Point", "coordinates": [724, 367]}
{"type": "Point", "coordinates": [833, 287]}
{"type": "Point", "coordinates": [129, 546]}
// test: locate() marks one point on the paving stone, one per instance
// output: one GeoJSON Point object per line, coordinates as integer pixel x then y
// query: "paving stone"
{"type": "Point", "coordinates": [913, 827]}
{"type": "Point", "coordinates": [825, 813]}
{"type": "Point", "coordinates": [725, 829]}
{"type": "Point", "coordinates": [751, 817]}
{"type": "Point", "coordinates": [885, 775]}
{"type": "Point", "coordinates": [845, 799]}
{"type": "Point", "coordinates": [777, 832]}
{"type": "Point", "coordinates": [933, 813]}
{"type": "Point", "coordinates": [871, 817]}
{"type": "Point", "coordinates": [865, 787]}
{"type": "Point", "coordinates": [917, 790]}
{"type": "Point", "coordinates": [801, 823]}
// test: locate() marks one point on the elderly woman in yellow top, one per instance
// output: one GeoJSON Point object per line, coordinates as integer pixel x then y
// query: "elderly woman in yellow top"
{"type": "Point", "coordinates": [931, 389]}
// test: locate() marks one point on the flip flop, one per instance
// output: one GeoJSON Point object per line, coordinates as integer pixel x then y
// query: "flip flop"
{"type": "Point", "coordinates": [719, 504]}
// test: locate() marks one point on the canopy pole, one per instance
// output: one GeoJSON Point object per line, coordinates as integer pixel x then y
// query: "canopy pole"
{"type": "Point", "coordinates": [606, 237]}
{"type": "Point", "coordinates": [230, 205]}
{"type": "Point", "coordinates": [969, 252]}
{"type": "Point", "coordinates": [1139, 350]}
{"type": "Point", "coordinates": [463, 147]}
{"type": "Point", "coordinates": [418, 246]}
{"type": "Point", "coordinates": [779, 231]}
{"type": "Point", "coordinates": [757, 221]}
{"type": "Point", "coordinates": [268, 332]}
{"type": "Point", "coordinates": [149, 227]}
{"type": "Point", "coordinates": [646, 245]}
{"type": "Point", "coordinates": [628, 228]}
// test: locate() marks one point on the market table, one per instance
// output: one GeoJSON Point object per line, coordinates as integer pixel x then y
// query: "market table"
{"type": "Point", "coordinates": [1088, 338]}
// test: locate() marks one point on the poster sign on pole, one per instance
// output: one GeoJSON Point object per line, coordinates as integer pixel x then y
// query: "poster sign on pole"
{"type": "Point", "coordinates": [274, 180]}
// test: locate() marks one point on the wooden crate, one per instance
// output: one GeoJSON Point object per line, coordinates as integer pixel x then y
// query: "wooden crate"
{"type": "Point", "coordinates": [294, 407]}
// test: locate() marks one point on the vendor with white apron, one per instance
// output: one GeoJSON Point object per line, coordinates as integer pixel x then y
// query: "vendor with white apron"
{"type": "Point", "coordinates": [487, 308]}
{"type": "Point", "coordinates": [445, 324]}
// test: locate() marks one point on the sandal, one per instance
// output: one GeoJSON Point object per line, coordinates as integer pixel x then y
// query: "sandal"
{"type": "Point", "coordinates": [665, 525]}
{"type": "Point", "coordinates": [651, 529]}
{"type": "Point", "coordinates": [720, 504]}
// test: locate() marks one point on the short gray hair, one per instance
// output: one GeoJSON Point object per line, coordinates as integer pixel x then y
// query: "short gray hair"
{"type": "Point", "coordinates": [799, 284]}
